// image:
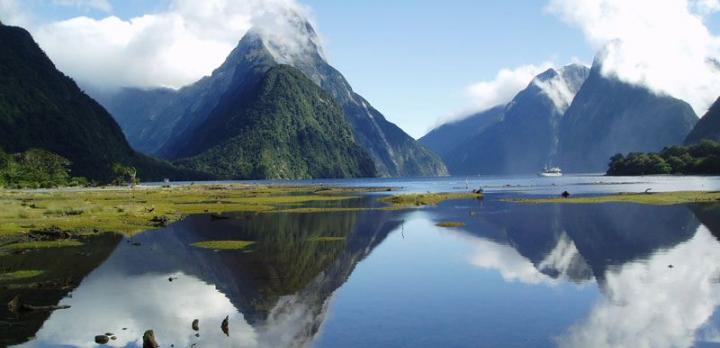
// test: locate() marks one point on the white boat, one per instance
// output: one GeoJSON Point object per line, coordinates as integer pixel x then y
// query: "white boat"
{"type": "Point", "coordinates": [551, 172]}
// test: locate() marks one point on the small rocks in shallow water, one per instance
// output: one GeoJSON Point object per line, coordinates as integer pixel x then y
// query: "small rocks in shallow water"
{"type": "Point", "coordinates": [149, 340]}
{"type": "Point", "coordinates": [102, 339]}
{"type": "Point", "coordinates": [196, 325]}
{"type": "Point", "coordinates": [225, 327]}
{"type": "Point", "coordinates": [160, 221]}
{"type": "Point", "coordinates": [170, 279]}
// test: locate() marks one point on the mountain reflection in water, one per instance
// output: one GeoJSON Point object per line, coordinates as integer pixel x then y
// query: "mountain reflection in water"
{"type": "Point", "coordinates": [609, 275]}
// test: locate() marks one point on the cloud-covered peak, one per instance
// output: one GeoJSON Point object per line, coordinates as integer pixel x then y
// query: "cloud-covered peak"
{"type": "Point", "coordinates": [562, 84]}
{"type": "Point", "coordinates": [662, 45]}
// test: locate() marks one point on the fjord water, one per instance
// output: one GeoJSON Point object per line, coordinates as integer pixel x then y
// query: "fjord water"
{"type": "Point", "coordinates": [516, 275]}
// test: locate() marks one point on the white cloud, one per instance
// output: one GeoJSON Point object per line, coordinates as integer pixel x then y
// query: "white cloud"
{"type": "Point", "coordinates": [101, 5]}
{"type": "Point", "coordinates": [506, 84]}
{"type": "Point", "coordinates": [12, 13]}
{"type": "Point", "coordinates": [171, 48]}
{"type": "Point", "coordinates": [664, 45]}
{"type": "Point", "coordinates": [647, 304]}
{"type": "Point", "coordinates": [487, 94]}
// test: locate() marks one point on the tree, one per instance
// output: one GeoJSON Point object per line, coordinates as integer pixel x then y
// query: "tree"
{"type": "Point", "coordinates": [125, 174]}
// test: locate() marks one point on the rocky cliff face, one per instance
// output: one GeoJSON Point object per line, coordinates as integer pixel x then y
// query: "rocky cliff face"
{"type": "Point", "coordinates": [609, 116]}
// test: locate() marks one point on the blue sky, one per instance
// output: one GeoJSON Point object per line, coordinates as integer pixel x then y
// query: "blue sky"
{"type": "Point", "coordinates": [412, 59]}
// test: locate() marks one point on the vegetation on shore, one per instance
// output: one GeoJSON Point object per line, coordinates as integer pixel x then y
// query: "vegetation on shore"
{"type": "Point", "coordinates": [224, 244]}
{"type": "Point", "coordinates": [700, 159]}
{"type": "Point", "coordinates": [423, 199]}
{"type": "Point", "coordinates": [127, 211]}
{"type": "Point", "coordinates": [662, 198]}
{"type": "Point", "coordinates": [36, 169]}
{"type": "Point", "coordinates": [22, 274]}
{"type": "Point", "coordinates": [32, 219]}
{"type": "Point", "coordinates": [450, 224]}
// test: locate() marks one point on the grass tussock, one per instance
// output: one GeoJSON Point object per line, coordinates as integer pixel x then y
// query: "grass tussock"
{"type": "Point", "coordinates": [63, 243]}
{"type": "Point", "coordinates": [326, 239]}
{"type": "Point", "coordinates": [424, 199]}
{"type": "Point", "coordinates": [450, 224]}
{"type": "Point", "coordinates": [224, 244]}
{"type": "Point", "coordinates": [20, 275]}
{"type": "Point", "coordinates": [664, 198]}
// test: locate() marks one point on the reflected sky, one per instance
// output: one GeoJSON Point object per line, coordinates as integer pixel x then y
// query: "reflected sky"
{"type": "Point", "coordinates": [610, 275]}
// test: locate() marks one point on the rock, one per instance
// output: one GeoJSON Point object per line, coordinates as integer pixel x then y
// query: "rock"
{"type": "Point", "coordinates": [102, 339]}
{"type": "Point", "coordinates": [565, 194]}
{"type": "Point", "coordinates": [109, 334]}
{"type": "Point", "coordinates": [225, 327]}
{"type": "Point", "coordinates": [196, 325]}
{"type": "Point", "coordinates": [160, 221]}
{"type": "Point", "coordinates": [149, 339]}
{"type": "Point", "coordinates": [14, 304]}
{"type": "Point", "coordinates": [216, 216]}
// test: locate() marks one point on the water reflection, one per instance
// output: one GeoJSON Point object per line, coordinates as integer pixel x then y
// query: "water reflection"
{"type": "Point", "coordinates": [657, 267]}
{"type": "Point", "coordinates": [275, 294]}
{"type": "Point", "coordinates": [610, 275]}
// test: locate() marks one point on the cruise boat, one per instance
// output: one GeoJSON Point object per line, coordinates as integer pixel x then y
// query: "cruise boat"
{"type": "Point", "coordinates": [550, 172]}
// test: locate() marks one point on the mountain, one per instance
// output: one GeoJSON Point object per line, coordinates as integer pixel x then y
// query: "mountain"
{"type": "Point", "coordinates": [445, 138]}
{"type": "Point", "coordinates": [280, 127]}
{"type": "Point", "coordinates": [393, 151]}
{"type": "Point", "coordinates": [526, 139]}
{"type": "Point", "coordinates": [708, 127]}
{"type": "Point", "coordinates": [42, 108]}
{"type": "Point", "coordinates": [609, 116]}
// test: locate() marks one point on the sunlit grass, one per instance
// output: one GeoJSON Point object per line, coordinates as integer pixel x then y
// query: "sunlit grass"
{"type": "Point", "coordinates": [43, 244]}
{"type": "Point", "coordinates": [20, 275]}
{"type": "Point", "coordinates": [326, 239]}
{"type": "Point", "coordinates": [422, 199]}
{"type": "Point", "coordinates": [224, 244]}
{"type": "Point", "coordinates": [450, 224]}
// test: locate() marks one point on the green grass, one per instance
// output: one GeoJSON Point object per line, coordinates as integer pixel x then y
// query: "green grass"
{"type": "Point", "coordinates": [664, 198]}
{"type": "Point", "coordinates": [326, 239]}
{"type": "Point", "coordinates": [423, 199]}
{"type": "Point", "coordinates": [64, 243]}
{"type": "Point", "coordinates": [19, 275]}
{"type": "Point", "coordinates": [224, 244]}
{"type": "Point", "coordinates": [450, 224]}
{"type": "Point", "coordinates": [129, 211]}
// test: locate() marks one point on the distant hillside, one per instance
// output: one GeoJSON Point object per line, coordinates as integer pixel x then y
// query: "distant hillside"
{"type": "Point", "coordinates": [42, 108]}
{"type": "Point", "coordinates": [609, 116]}
{"type": "Point", "coordinates": [281, 127]}
{"type": "Point", "coordinates": [164, 132]}
{"type": "Point", "coordinates": [445, 138]}
{"type": "Point", "coordinates": [708, 127]}
{"type": "Point", "coordinates": [526, 139]}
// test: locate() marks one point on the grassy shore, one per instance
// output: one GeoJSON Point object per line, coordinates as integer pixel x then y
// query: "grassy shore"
{"type": "Point", "coordinates": [423, 199]}
{"type": "Point", "coordinates": [128, 211]}
{"type": "Point", "coordinates": [661, 198]}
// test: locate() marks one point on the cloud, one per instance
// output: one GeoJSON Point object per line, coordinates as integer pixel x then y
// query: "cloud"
{"type": "Point", "coordinates": [664, 45]}
{"type": "Point", "coordinates": [648, 304]}
{"type": "Point", "coordinates": [506, 84]}
{"type": "Point", "coordinates": [500, 90]}
{"type": "Point", "coordinates": [12, 13]}
{"type": "Point", "coordinates": [101, 5]}
{"type": "Point", "coordinates": [171, 48]}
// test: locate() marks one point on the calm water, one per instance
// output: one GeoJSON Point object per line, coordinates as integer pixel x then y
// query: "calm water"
{"type": "Point", "coordinates": [609, 275]}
